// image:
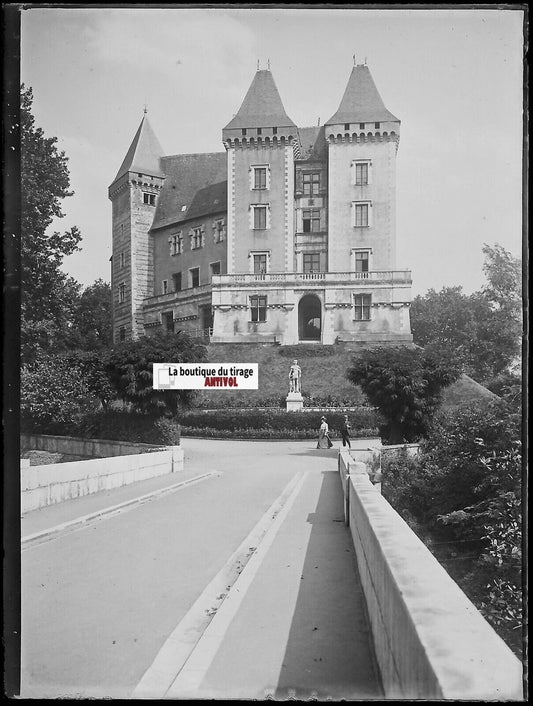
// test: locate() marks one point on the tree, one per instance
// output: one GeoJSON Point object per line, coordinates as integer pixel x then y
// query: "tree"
{"type": "Point", "coordinates": [91, 327]}
{"type": "Point", "coordinates": [53, 396]}
{"type": "Point", "coordinates": [483, 328]}
{"type": "Point", "coordinates": [405, 384]}
{"type": "Point", "coordinates": [130, 371]}
{"type": "Point", "coordinates": [46, 291]}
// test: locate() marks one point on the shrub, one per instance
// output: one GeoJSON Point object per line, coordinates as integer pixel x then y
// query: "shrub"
{"type": "Point", "coordinates": [53, 396]}
{"type": "Point", "coordinates": [261, 419]}
{"type": "Point", "coordinates": [119, 425]}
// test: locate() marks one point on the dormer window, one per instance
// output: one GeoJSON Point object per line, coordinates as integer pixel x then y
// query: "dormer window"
{"type": "Point", "coordinates": [376, 125]}
{"type": "Point", "coordinates": [243, 132]}
{"type": "Point", "coordinates": [259, 131]}
{"type": "Point", "coordinates": [346, 126]}
{"type": "Point", "coordinates": [274, 130]}
{"type": "Point", "coordinates": [361, 126]}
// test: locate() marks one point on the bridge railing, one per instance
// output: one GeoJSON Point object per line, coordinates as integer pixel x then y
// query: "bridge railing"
{"type": "Point", "coordinates": [430, 640]}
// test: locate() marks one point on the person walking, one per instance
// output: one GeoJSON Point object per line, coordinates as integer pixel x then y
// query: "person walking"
{"type": "Point", "coordinates": [324, 442]}
{"type": "Point", "coordinates": [345, 432]}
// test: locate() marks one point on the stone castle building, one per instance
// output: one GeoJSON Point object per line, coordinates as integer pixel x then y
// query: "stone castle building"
{"type": "Point", "coordinates": [287, 236]}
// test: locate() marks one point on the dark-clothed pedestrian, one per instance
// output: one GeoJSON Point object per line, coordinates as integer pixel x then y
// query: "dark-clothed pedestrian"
{"type": "Point", "coordinates": [345, 432]}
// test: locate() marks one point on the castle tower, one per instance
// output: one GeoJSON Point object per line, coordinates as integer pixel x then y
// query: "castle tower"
{"type": "Point", "coordinates": [363, 139]}
{"type": "Point", "coordinates": [134, 194]}
{"type": "Point", "coordinates": [259, 142]}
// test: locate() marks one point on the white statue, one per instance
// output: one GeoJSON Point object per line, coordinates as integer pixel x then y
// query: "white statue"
{"type": "Point", "coordinates": [295, 376]}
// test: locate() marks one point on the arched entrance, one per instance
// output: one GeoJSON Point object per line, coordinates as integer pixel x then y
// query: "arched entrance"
{"type": "Point", "coordinates": [309, 318]}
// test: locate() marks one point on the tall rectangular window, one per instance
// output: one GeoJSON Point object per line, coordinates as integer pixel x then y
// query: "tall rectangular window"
{"type": "Point", "coordinates": [219, 230]}
{"type": "Point", "coordinates": [258, 308]}
{"type": "Point", "coordinates": [361, 173]}
{"type": "Point", "coordinates": [311, 183]}
{"type": "Point", "coordinates": [362, 303]}
{"type": "Point", "coordinates": [361, 261]}
{"type": "Point", "coordinates": [121, 293]}
{"type": "Point", "coordinates": [260, 263]}
{"type": "Point", "coordinates": [215, 268]}
{"type": "Point", "coordinates": [176, 279]}
{"type": "Point", "coordinates": [311, 261]}
{"type": "Point", "coordinates": [311, 220]}
{"type": "Point", "coordinates": [122, 333]}
{"type": "Point", "coordinates": [260, 217]}
{"type": "Point", "coordinates": [176, 243]}
{"type": "Point", "coordinates": [361, 215]}
{"type": "Point", "coordinates": [168, 321]}
{"type": "Point", "coordinates": [195, 276]}
{"type": "Point", "coordinates": [197, 238]}
{"type": "Point", "coordinates": [122, 259]}
{"type": "Point", "coordinates": [164, 287]}
{"type": "Point", "coordinates": [260, 177]}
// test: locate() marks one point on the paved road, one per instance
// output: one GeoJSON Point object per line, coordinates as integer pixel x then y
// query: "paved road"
{"type": "Point", "coordinates": [242, 584]}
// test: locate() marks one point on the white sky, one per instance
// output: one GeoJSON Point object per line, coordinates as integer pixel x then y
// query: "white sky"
{"type": "Point", "coordinates": [453, 77]}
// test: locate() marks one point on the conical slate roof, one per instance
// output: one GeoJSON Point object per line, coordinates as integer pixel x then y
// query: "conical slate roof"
{"type": "Point", "coordinates": [144, 152]}
{"type": "Point", "coordinates": [361, 101]}
{"type": "Point", "coordinates": [262, 106]}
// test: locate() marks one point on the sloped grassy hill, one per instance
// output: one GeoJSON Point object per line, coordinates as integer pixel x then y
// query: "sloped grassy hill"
{"type": "Point", "coordinates": [323, 376]}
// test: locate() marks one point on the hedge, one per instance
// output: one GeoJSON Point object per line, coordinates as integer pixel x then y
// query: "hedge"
{"type": "Point", "coordinates": [232, 420]}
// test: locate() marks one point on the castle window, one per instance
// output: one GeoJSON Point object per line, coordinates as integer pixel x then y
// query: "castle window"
{"type": "Point", "coordinates": [176, 243]}
{"type": "Point", "coordinates": [215, 268]}
{"type": "Point", "coordinates": [362, 260]}
{"type": "Point", "coordinates": [164, 286]}
{"type": "Point", "coordinates": [362, 214]}
{"type": "Point", "coordinates": [258, 306]}
{"type": "Point", "coordinates": [194, 275]}
{"type": "Point", "coordinates": [311, 261]}
{"type": "Point", "coordinates": [197, 238]}
{"type": "Point", "coordinates": [361, 172]}
{"type": "Point", "coordinates": [346, 126]}
{"type": "Point", "coordinates": [260, 177]}
{"type": "Point", "coordinates": [362, 304]}
{"type": "Point", "coordinates": [361, 126]}
{"type": "Point", "coordinates": [376, 126]}
{"type": "Point", "coordinates": [148, 199]}
{"type": "Point", "coordinates": [274, 130]}
{"type": "Point", "coordinates": [122, 293]}
{"type": "Point", "coordinates": [168, 321]}
{"type": "Point", "coordinates": [260, 263]}
{"type": "Point", "coordinates": [122, 259]}
{"type": "Point", "coordinates": [122, 334]}
{"type": "Point", "coordinates": [219, 230]}
{"type": "Point", "coordinates": [311, 220]}
{"type": "Point", "coordinates": [243, 131]}
{"type": "Point", "coordinates": [176, 279]}
{"type": "Point", "coordinates": [259, 131]}
{"type": "Point", "coordinates": [260, 217]}
{"type": "Point", "coordinates": [311, 184]}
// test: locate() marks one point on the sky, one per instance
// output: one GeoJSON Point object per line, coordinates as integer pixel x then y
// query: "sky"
{"type": "Point", "coordinates": [453, 77]}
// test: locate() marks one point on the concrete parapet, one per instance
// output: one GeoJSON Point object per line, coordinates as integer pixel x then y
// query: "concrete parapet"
{"type": "Point", "coordinates": [92, 448]}
{"type": "Point", "coordinates": [431, 642]}
{"type": "Point", "coordinates": [56, 482]}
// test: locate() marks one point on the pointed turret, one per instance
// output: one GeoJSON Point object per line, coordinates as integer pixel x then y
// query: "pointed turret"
{"type": "Point", "coordinates": [361, 102]}
{"type": "Point", "coordinates": [261, 113]}
{"type": "Point", "coordinates": [144, 153]}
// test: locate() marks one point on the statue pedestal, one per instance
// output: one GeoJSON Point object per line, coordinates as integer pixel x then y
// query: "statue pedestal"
{"type": "Point", "coordinates": [295, 402]}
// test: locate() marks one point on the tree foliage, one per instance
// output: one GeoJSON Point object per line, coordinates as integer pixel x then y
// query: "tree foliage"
{"type": "Point", "coordinates": [405, 384]}
{"type": "Point", "coordinates": [130, 371]}
{"type": "Point", "coordinates": [53, 393]}
{"type": "Point", "coordinates": [91, 324]}
{"type": "Point", "coordinates": [463, 494]}
{"type": "Point", "coordinates": [483, 328]}
{"type": "Point", "coordinates": [46, 290]}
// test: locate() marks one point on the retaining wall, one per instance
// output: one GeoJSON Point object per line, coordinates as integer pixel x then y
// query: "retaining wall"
{"type": "Point", "coordinates": [84, 448]}
{"type": "Point", "coordinates": [53, 483]}
{"type": "Point", "coordinates": [430, 640]}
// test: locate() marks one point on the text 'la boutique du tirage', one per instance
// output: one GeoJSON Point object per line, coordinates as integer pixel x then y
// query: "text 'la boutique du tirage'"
{"type": "Point", "coordinates": [192, 376]}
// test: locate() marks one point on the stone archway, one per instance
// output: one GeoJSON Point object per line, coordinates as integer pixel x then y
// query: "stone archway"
{"type": "Point", "coordinates": [309, 318]}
